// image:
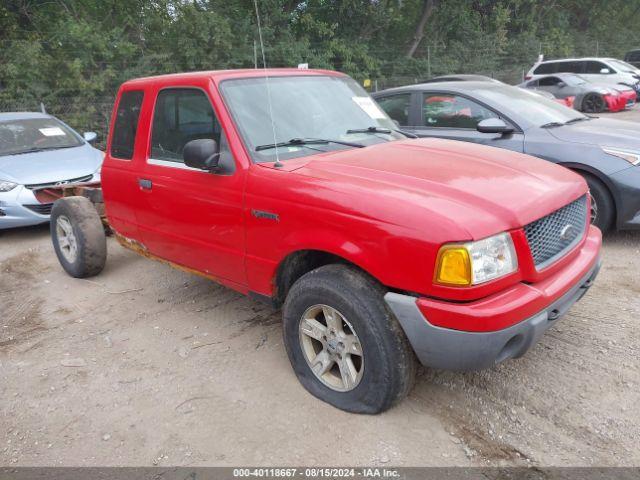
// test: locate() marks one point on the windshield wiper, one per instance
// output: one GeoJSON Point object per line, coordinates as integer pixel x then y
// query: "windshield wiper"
{"type": "Point", "coordinates": [578, 119]}
{"type": "Point", "coordinates": [552, 125]}
{"type": "Point", "coordinates": [37, 149]}
{"type": "Point", "coordinates": [381, 130]}
{"type": "Point", "coordinates": [294, 142]}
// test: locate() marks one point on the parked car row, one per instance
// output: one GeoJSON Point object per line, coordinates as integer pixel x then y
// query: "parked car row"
{"type": "Point", "coordinates": [609, 71]}
{"type": "Point", "coordinates": [604, 151]}
{"type": "Point", "coordinates": [577, 92]}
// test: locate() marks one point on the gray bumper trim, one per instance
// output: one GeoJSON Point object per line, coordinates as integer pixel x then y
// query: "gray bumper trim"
{"type": "Point", "coordinates": [448, 349]}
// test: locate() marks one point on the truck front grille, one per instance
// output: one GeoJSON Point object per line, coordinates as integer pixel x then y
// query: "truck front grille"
{"type": "Point", "coordinates": [553, 236]}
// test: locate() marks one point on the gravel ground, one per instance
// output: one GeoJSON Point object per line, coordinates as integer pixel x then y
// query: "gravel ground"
{"type": "Point", "coordinates": [147, 365]}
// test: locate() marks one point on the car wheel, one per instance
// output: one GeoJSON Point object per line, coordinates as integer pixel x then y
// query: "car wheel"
{"type": "Point", "coordinates": [602, 206]}
{"type": "Point", "coordinates": [78, 237]}
{"type": "Point", "coordinates": [593, 103]}
{"type": "Point", "coordinates": [345, 345]}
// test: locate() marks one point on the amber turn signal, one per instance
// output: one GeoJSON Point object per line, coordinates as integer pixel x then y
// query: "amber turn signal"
{"type": "Point", "coordinates": [454, 266]}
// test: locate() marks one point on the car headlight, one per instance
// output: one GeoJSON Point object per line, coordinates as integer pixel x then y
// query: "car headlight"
{"type": "Point", "coordinates": [476, 262]}
{"type": "Point", "coordinates": [7, 186]}
{"type": "Point", "coordinates": [633, 157]}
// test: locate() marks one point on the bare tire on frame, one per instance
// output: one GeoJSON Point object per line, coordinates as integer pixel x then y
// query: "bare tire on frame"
{"type": "Point", "coordinates": [78, 237]}
{"type": "Point", "coordinates": [344, 344]}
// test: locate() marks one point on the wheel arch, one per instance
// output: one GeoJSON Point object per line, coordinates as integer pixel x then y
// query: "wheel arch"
{"type": "Point", "coordinates": [582, 169]}
{"type": "Point", "coordinates": [297, 263]}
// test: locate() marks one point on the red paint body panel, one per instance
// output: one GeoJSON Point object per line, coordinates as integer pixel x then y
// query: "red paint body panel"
{"type": "Point", "coordinates": [387, 208]}
{"type": "Point", "coordinates": [620, 101]}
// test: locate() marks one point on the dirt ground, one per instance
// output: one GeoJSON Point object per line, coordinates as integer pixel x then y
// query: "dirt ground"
{"type": "Point", "coordinates": [147, 365]}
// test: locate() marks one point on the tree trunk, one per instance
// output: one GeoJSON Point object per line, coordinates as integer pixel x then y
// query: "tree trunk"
{"type": "Point", "coordinates": [427, 10]}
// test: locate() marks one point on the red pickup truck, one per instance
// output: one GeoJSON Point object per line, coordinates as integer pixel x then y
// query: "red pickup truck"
{"type": "Point", "coordinates": [293, 187]}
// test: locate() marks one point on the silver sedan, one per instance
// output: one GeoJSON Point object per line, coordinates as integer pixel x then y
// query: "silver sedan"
{"type": "Point", "coordinates": [39, 151]}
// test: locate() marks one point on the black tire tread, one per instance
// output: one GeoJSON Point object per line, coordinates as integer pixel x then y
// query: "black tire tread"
{"type": "Point", "coordinates": [606, 205]}
{"type": "Point", "coordinates": [89, 232]}
{"type": "Point", "coordinates": [366, 297]}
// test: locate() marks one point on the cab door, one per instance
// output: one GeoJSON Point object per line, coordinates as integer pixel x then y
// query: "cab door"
{"type": "Point", "coordinates": [191, 217]}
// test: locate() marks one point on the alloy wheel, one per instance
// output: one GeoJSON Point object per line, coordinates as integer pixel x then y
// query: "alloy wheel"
{"type": "Point", "coordinates": [594, 209]}
{"type": "Point", "coordinates": [331, 348]}
{"type": "Point", "coordinates": [66, 239]}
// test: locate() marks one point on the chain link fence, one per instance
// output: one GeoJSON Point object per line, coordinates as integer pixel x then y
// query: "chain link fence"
{"type": "Point", "coordinates": [92, 114]}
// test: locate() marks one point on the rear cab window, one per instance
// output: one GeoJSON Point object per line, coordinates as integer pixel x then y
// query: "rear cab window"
{"type": "Point", "coordinates": [126, 124]}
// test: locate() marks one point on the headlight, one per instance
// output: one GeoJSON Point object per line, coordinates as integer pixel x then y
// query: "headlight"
{"type": "Point", "coordinates": [6, 186]}
{"type": "Point", "coordinates": [476, 262]}
{"type": "Point", "coordinates": [628, 155]}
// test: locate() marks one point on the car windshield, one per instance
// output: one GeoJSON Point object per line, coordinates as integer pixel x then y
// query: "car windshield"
{"type": "Point", "coordinates": [35, 134]}
{"type": "Point", "coordinates": [304, 108]}
{"type": "Point", "coordinates": [624, 66]}
{"type": "Point", "coordinates": [535, 108]}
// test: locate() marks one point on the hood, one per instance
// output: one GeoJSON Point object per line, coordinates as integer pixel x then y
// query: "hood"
{"type": "Point", "coordinates": [50, 165]}
{"type": "Point", "coordinates": [472, 190]}
{"type": "Point", "coordinates": [601, 131]}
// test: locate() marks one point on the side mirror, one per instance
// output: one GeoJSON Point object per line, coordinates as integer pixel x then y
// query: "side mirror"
{"type": "Point", "coordinates": [493, 125]}
{"type": "Point", "coordinates": [202, 154]}
{"type": "Point", "coordinates": [90, 137]}
{"type": "Point", "coordinates": [561, 84]}
{"type": "Point", "coordinates": [605, 71]}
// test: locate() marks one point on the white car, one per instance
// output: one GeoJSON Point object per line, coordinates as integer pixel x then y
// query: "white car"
{"type": "Point", "coordinates": [596, 70]}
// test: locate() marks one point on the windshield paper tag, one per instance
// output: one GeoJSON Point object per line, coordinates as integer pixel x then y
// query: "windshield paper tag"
{"type": "Point", "coordinates": [369, 107]}
{"type": "Point", "coordinates": [52, 132]}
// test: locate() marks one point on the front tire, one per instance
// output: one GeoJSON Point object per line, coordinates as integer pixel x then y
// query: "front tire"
{"type": "Point", "coordinates": [602, 206]}
{"type": "Point", "coordinates": [78, 237]}
{"type": "Point", "coordinates": [593, 103]}
{"type": "Point", "coordinates": [344, 344]}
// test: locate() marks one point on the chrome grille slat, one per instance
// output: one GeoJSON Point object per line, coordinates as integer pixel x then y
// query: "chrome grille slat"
{"type": "Point", "coordinates": [550, 238]}
{"type": "Point", "coordinates": [37, 186]}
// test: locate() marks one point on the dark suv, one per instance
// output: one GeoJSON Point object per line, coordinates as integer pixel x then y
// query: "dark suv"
{"type": "Point", "coordinates": [633, 57]}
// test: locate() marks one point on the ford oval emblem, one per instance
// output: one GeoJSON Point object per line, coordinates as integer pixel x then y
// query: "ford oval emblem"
{"type": "Point", "coordinates": [568, 232]}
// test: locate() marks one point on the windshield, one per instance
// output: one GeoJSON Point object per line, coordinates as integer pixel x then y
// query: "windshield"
{"type": "Point", "coordinates": [304, 107]}
{"type": "Point", "coordinates": [535, 108]}
{"type": "Point", "coordinates": [624, 66]}
{"type": "Point", "coordinates": [35, 134]}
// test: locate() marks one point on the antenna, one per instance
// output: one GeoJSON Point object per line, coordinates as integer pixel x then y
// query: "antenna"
{"type": "Point", "coordinates": [264, 65]}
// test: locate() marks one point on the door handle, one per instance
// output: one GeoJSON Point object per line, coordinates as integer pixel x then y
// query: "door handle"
{"type": "Point", "coordinates": [145, 184]}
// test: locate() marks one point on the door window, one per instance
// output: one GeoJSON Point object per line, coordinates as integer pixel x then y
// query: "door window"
{"type": "Point", "coordinates": [126, 125]}
{"type": "Point", "coordinates": [570, 67]}
{"type": "Point", "coordinates": [452, 111]}
{"type": "Point", "coordinates": [549, 81]}
{"type": "Point", "coordinates": [545, 68]}
{"type": "Point", "coordinates": [181, 115]}
{"type": "Point", "coordinates": [397, 107]}
{"type": "Point", "coordinates": [595, 67]}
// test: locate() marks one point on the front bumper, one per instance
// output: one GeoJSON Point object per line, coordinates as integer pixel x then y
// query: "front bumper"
{"type": "Point", "coordinates": [458, 350]}
{"type": "Point", "coordinates": [13, 212]}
